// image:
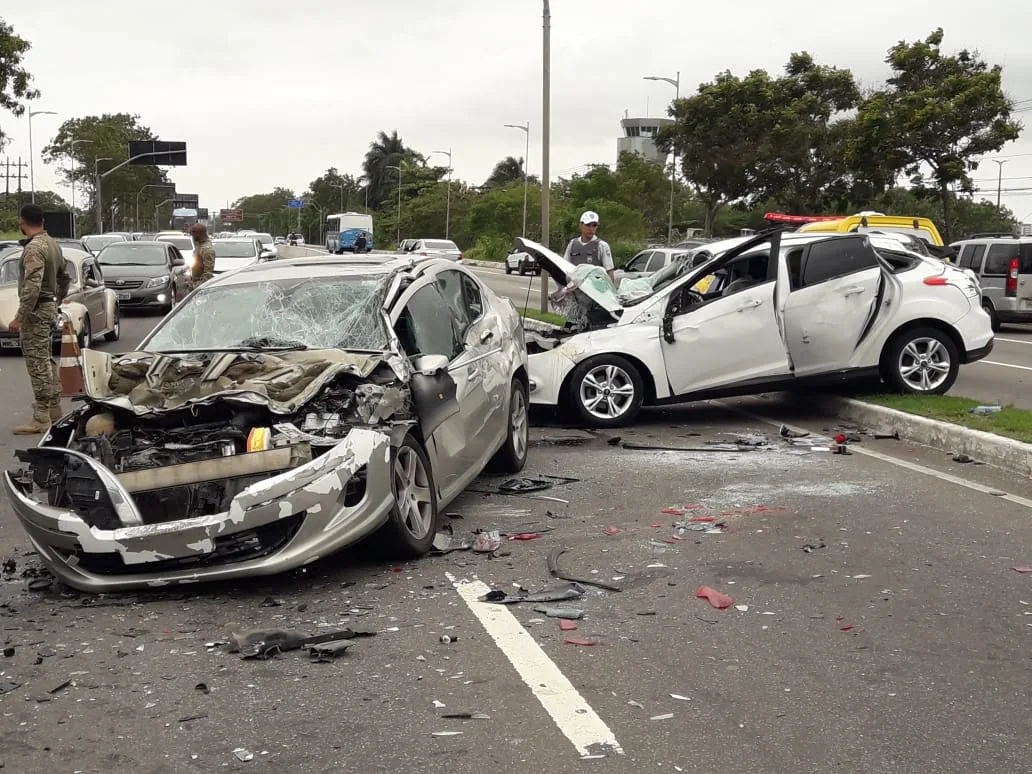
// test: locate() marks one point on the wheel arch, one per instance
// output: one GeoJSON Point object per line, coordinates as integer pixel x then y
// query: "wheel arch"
{"type": "Point", "coordinates": [926, 322]}
{"type": "Point", "coordinates": [647, 379]}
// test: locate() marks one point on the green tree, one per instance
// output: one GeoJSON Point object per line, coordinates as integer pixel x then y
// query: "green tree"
{"type": "Point", "coordinates": [268, 211]}
{"type": "Point", "coordinates": [15, 81]}
{"type": "Point", "coordinates": [107, 137]}
{"type": "Point", "coordinates": [385, 151]}
{"type": "Point", "coordinates": [937, 112]}
{"type": "Point", "coordinates": [720, 135]}
{"type": "Point", "coordinates": [508, 170]}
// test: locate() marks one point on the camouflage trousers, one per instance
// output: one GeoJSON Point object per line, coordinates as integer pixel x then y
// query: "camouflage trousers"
{"type": "Point", "coordinates": [36, 332]}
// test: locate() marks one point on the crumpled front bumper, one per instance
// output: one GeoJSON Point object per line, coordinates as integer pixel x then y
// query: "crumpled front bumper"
{"type": "Point", "coordinates": [281, 523]}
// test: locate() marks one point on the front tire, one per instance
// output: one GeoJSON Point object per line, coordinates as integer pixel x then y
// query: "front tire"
{"type": "Point", "coordinates": [86, 334]}
{"type": "Point", "coordinates": [606, 391]}
{"type": "Point", "coordinates": [920, 361]}
{"type": "Point", "coordinates": [412, 524]}
{"type": "Point", "coordinates": [994, 321]}
{"type": "Point", "coordinates": [508, 268]}
{"type": "Point", "coordinates": [512, 456]}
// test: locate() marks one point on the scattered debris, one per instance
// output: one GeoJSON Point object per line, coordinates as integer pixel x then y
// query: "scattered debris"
{"type": "Point", "coordinates": [962, 459]}
{"type": "Point", "coordinates": [667, 716]}
{"type": "Point", "coordinates": [742, 608]}
{"type": "Point", "coordinates": [893, 436]}
{"type": "Point", "coordinates": [983, 410]}
{"type": "Point", "coordinates": [271, 602]}
{"type": "Point", "coordinates": [679, 697]}
{"type": "Point", "coordinates": [527, 487]}
{"type": "Point", "coordinates": [188, 718]}
{"type": "Point", "coordinates": [718, 599]}
{"type": "Point", "coordinates": [262, 644]}
{"type": "Point", "coordinates": [1023, 569]}
{"type": "Point", "coordinates": [523, 536]}
{"type": "Point", "coordinates": [445, 541]}
{"type": "Point", "coordinates": [8, 652]}
{"type": "Point", "coordinates": [724, 448]}
{"type": "Point", "coordinates": [558, 572]}
{"type": "Point", "coordinates": [453, 515]}
{"type": "Point", "coordinates": [558, 611]}
{"type": "Point", "coordinates": [243, 755]}
{"type": "Point", "coordinates": [638, 704]}
{"type": "Point", "coordinates": [487, 542]}
{"type": "Point", "coordinates": [445, 733]}
{"type": "Point", "coordinates": [466, 716]}
{"type": "Point", "coordinates": [567, 626]}
{"type": "Point", "coordinates": [556, 593]}
{"type": "Point", "coordinates": [203, 688]}
{"type": "Point", "coordinates": [328, 651]}
{"type": "Point", "coordinates": [860, 577]}
{"type": "Point", "coordinates": [848, 628]}
{"type": "Point", "coordinates": [811, 547]}
{"type": "Point", "coordinates": [447, 639]}
{"type": "Point", "coordinates": [786, 432]}
{"type": "Point", "coordinates": [579, 641]}
{"type": "Point", "coordinates": [439, 704]}
{"type": "Point", "coordinates": [612, 531]}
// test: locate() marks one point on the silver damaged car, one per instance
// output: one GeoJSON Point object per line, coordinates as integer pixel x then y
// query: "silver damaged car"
{"type": "Point", "coordinates": [282, 412]}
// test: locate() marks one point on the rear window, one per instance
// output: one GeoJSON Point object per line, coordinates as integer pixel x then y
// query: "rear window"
{"type": "Point", "coordinates": [997, 260]}
{"type": "Point", "coordinates": [440, 245]}
{"type": "Point", "coordinates": [971, 257]}
{"type": "Point", "coordinates": [1026, 259]}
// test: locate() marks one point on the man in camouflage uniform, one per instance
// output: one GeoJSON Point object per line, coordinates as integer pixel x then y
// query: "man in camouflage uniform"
{"type": "Point", "coordinates": [42, 286]}
{"type": "Point", "coordinates": [203, 268]}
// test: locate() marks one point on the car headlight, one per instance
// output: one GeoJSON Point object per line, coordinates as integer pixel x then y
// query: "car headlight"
{"type": "Point", "coordinates": [157, 282]}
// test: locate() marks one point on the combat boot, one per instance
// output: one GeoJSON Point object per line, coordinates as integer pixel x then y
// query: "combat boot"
{"type": "Point", "coordinates": [39, 424]}
{"type": "Point", "coordinates": [56, 412]}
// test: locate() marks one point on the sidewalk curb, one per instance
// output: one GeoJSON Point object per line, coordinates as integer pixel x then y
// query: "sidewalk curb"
{"type": "Point", "coordinates": [984, 447]}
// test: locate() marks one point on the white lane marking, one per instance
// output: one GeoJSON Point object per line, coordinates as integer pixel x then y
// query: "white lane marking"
{"type": "Point", "coordinates": [1015, 341]}
{"type": "Point", "coordinates": [571, 713]}
{"type": "Point", "coordinates": [898, 462]}
{"type": "Point", "coordinates": [1005, 365]}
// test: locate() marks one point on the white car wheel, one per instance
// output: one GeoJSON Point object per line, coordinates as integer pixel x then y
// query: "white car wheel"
{"type": "Point", "coordinates": [921, 361]}
{"type": "Point", "coordinates": [607, 391]}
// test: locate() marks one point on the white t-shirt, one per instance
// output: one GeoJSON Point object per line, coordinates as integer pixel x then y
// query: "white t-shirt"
{"type": "Point", "coordinates": [604, 253]}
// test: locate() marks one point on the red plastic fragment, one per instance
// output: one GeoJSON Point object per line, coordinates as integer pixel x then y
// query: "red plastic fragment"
{"type": "Point", "coordinates": [397, 569]}
{"type": "Point", "coordinates": [1022, 569]}
{"type": "Point", "coordinates": [846, 628]}
{"type": "Point", "coordinates": [524, 536]}
{"type": "Point", "coordinates": [657, 525]}
{"type": "Point", "coordinates": [579, 641]}
{"type": "Point", "coordinates": [672, 511]}
{"type": "Point", "coordinates": [692, 507]}
{"type": "Point", "coordinates": [840, 438]}
{"type": "Point", "coordinates": [703, 518]}
{"type": "Point", "coordinates": [840, 618]}
{"type": "Point", "coordinates": [716, 598]}
{"type": "Point", "coordinates": [567, 626]}
{"type": "Point", "coordinates": [612, 530]}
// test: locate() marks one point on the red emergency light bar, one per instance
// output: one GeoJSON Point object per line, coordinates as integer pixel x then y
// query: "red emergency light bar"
{"type": "Point", "coordinates": [777, 217]}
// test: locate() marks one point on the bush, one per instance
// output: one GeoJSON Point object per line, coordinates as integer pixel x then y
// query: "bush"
{"type": "Point", "coordinates": [489, 248]}
{"type": "Point", "coordinates": [623, 251]}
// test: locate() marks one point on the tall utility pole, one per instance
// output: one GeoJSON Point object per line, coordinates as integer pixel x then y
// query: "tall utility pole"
{"type": "Point", "coordinates": [32, 171]}
{"type": "Point", "coordinates": [999, 181]}
{"type": "Point", "coordinates": [676, 83]}
{"type": "Point", "coordinates": [447, 212]}
{"type": "Point", "coordinates": [71, 176]}
{"type": "Point", "coordinates": [526, 170]}
{"type": "Point", "coordinates": [97, 183]}
{"type": "Point", "coordinates": [546, 127]}
{"type": "Point", "coordinates": [18, 175]}
{"type": "Point", "coordinates": [399, 200]}
{"type": "Point", "coordinates": [341, 187]}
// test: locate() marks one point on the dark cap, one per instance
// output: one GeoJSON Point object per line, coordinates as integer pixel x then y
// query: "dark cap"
{"type": "Point", "coordinates": [32, 214]}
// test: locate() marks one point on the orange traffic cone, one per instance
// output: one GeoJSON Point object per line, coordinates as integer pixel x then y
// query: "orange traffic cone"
{"type": "Point", "coordinates": [69, 364]}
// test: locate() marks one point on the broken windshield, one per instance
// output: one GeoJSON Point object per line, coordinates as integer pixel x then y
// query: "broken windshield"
{"type": "Point", "coordinates": [312, 313]}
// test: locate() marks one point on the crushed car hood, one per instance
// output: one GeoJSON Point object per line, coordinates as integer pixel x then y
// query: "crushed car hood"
{"type": "Point", "coordinates": [590, 281]}
{"type": "Point", "coordinates": [148, 382]}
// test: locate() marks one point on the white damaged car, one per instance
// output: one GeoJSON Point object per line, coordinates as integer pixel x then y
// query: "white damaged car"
{"type": "Point", "coordinates": [281, 412]}
{"type": "Point", "coordinates": [774, 311]}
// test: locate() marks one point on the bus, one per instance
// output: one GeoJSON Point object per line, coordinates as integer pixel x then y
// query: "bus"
{"type": "Point", "coordinates": [343, 229]}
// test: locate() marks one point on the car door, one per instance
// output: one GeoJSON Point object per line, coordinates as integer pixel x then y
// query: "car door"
{"type": "Point", "coordinates": [479, 332]}
{"type": "Point", "coordinates": [424, 330]}
{"type": "Point", "coordinates": [729, 340]}
{"type": "Point", "coordinates": [92, 296]}
{"type": "Point", "coordinates": [833, 298]}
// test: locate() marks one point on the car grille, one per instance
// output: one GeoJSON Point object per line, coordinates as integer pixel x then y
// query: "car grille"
{"type": "Point", "coordinates": [126, 284]}
{"type": "Point", "coordinates": [229, 549]}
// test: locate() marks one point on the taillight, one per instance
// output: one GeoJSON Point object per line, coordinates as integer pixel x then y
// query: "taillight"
{"type": "Point", "coordinates": [460, 257]}
{"type": "Point", "coordinates": [422, 253]}
{"type": "Point", "coordinates": [1012, 278]}
{"type": "Point", "coordinates": [936, 281]}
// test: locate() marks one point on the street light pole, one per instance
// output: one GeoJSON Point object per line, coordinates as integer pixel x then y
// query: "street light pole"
{"type": "Point", "coordinates": [447, 216]}
{"type": "Point", "coordinates": [341, 187]}
{"type": "Point", "coordinates": [71, 177]}
{"type": "Point", "coordinates": [546, 128]}
{"type": "Point", "coordinates": [32, 158]}
{"type": "Point", "coordinates": [999, 181]}
{"type": "Point", "coordinates": [526, 169]}
{"type": "Point", "coordinates": [131, 159]}
{"type": "Point", "coordinates": [399, 200]}
{"type": "Point", "coordinates": [97, 178]}
{"type": "Point", "coordinates": [157, 207]}
{"type": "Point", "coordinates": [676, 83]}
{"type": "Point", "coordinates": [149, 185]}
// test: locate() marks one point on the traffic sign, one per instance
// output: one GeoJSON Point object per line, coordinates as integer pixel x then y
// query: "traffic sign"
{"type": "Point", "coordinates": [295, 204]}
{"type": "Point", "coordinates": [158, 153]}
{"type": "Point", "coordinates": [231, 216]}
{"type": "Point", "coordinates": [190, 201]}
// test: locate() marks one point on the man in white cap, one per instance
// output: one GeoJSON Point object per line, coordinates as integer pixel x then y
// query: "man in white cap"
{"type": "Point", "coordinates": [588, 248]}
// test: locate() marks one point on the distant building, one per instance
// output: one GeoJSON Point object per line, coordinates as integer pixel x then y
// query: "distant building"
{"type": "Point", "coordinates": [1026, 229]}
{"type": "Point", "coordinates": [639, 136]}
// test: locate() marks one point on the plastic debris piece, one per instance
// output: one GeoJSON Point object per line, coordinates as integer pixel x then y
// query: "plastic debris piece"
{"type": "Point", "coordinates": [558, 572]}
{"type": "Point", "coordinates": [243, 755]}
{"type": "Point", "coordinates": [894, 436]}
{"type": "Point", "coordinates": [203, 688]}
{"type": "Point", "coordinates": [558, 611]}
{"type": "Point", "coordinates": [637, 704]}
{"type": "Point", "coordinates": [840, 439]}
{"type": "Point", "coordinates": [983, 410]}
{"type": "Point", "coordinates": [860, 577]}
{"type": "Point", "coordinates": [466, 716]}
{"type": "Point", "coordinates": [667, 716]}
{"type": "Point", "coordinates": [846, 628]}
{"type": "Point", "coordinates": [524, 536]}
{"type": "Point", "coordinates": [612, 530]}
{"type": "Point", "coordinates": [786, 432]}
{"type": "Point", "coordinates": [445, 542]}
{"type": "Point", "coordinates": [189, 718]}
{"type": "Point", "coordinates": [447, 639]}
{"type": "Point", "coordinates": [811, 547]}
{"type": "Point", "coordinates": [579, 641]}
{"type": "Point", "coordinates": [486, 542]}
{"type": "Point", "coordinates": [1022, 569]}
{"type": "Point", "coordinates": [679, 697]}
{"type": "Point", "coordinates": [327, 652]}
{"type": "Point", "coordinates": [716, 598]}
{"type": "Point", "coordinates": [656, 525]}
{"type": "Point", "coordinates": [741, 608]}
{"type": "Point", "coordinates": [8, 652]}
{"type": "Point", "coordinates": [962, 458]}
{"type": "Point", "coordinates": [439, 704]}
{"type": "Point", "coordinates": [446, 733]}
{"type": "Point", "coordinates": [567, 626]}
{"type": "Point", "coordinates": [556, 593]}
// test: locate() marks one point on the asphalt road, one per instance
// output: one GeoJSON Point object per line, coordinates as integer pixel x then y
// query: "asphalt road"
{"type": "Point", "coordinates": [1005, 377]}
{"type": "Point", "coordinates": [897, 643]}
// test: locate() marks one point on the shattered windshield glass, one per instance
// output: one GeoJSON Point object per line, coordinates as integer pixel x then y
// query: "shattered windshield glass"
{"type": "Point", "coordinates": [312, 313]}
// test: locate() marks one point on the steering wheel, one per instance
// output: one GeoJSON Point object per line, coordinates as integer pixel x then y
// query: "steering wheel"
{"type": "Point", "coordinates": [693, 298]}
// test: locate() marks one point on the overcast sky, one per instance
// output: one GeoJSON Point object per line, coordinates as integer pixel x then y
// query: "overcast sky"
{"type": "Point", "coordinates": [273, 93]}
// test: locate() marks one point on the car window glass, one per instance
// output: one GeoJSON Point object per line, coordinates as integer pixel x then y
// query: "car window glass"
{"type": "Point", "coordinates": [97, 273]}
{"type": "Point", "coordinates": [473, 297]}
{"type": "Point", "coordinates": [837, 258]}
{"type": "Point", "coordinates": [656, 262]}
{"type": "Point", "coordinates": [972, 257]}
{"type": "Point", "coordinates": [794, 257]}
{"type": "Point", "coordinates": [87, 271]}
{"type": "Point", "coordinates": [449, 283]}
{"type": "Point", "coordinates": [998, 258]}
{"type": "Point", "coordinates": [73, 274]}
{"type": "Point", "coordinates": [423, 330]}
{"type": "Point", "coordinates": [638, 262]}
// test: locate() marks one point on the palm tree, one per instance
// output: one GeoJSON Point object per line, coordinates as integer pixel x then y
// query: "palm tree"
{"type": "Point", "coordinates": [385, 151]}
{"type": "Point", "coordinates": [508, 170]}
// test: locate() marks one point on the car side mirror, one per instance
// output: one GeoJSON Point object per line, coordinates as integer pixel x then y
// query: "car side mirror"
{"type": "Point", "coordinates": [668, 328]}
{"type": "Point", "coordinates": [92, 283]}
{"type": "Point", "coordinates": [178, 262]}
{"type": "Point", "coordinates": [266, 254]}
{"type": "Point", "coordinates": [430, 364]}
